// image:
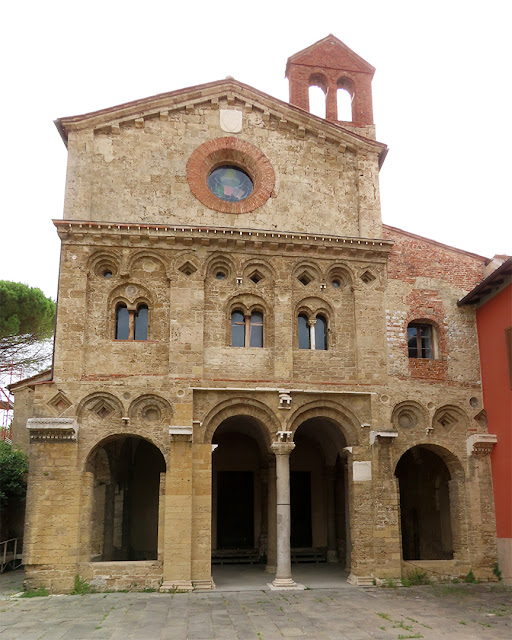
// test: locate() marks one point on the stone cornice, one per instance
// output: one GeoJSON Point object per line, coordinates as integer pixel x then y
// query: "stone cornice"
{"type": "Point", "coordinates": [167, 236]}
{"type": "Point", "coordinates": [52, 429]}
{"type": "Point", "coordinates": [189, 98]}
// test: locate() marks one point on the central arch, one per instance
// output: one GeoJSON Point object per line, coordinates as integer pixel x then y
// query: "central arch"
{"type": "Point", "coordinates": [240, 464]}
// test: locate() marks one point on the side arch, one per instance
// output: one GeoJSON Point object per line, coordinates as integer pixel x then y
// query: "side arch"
{"type": "Point", "coordinates": [337, 413]}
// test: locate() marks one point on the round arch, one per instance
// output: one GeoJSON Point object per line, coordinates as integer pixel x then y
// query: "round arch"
{"type": "Point", "coordinates": [341, 416]}
{"type": "Point", "coordinates": [249, 407]}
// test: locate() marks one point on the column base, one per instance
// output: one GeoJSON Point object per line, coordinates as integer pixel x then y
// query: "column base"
{"type": "Point", "coordinates": [203, 585]}
{"type": "Point", "coordinates": [270, 568]}
{"type": "Point", "coordinates": [285, 584]}
{"type": "Point", "coordinates": [176, 585]}
{"type": "Point", "coordinates": [361, 581]}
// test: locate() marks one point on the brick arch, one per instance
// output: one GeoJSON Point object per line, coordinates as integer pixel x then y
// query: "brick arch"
{"type": "Point", "coordinates": [347, 422]}
{"type": "Point", "coordinates": [241, 406]}
{"type": "Point", "coordinates": [233, 151]}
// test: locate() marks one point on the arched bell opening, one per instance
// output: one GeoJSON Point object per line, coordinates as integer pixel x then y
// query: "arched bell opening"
{"type": "Point", "coordinates": [426, 511]}
{"type": "Point", "coordinates": [240, 462]}
{"type": "Point", "coordinates": [318, 494]}
{"type": "Point", "coordinates": [127, 480]}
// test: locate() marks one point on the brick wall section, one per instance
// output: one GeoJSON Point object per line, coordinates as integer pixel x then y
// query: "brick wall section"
{"type": "Point", "coordinates": [413, 256]}
{"type": "Point", "coordinates": [426, 278]}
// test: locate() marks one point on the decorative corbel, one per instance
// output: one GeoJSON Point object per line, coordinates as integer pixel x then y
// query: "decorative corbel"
{"type": "Point", "coordinates": [285, 399]}
{"type": "Point", "coordinates": [53, 429]}
{"type": "Point", "coordinates": [481, 444]}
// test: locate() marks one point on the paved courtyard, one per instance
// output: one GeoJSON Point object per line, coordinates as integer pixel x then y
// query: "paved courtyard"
{"type": "Point", "coordinates": [465, 612]}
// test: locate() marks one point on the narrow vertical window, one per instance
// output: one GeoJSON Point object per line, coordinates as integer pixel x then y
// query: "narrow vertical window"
{"type": "Point", "coordinates": [237, 329]}
{"type": "Point", "coordinates": [420, 341]}
{"type": "Point", "coordinates": [321, 333]}
{"type": "Point", "coordinates": [122, 322]}
{"type": "Point", "coordinates": [141, 323]}
{"type": "Point", "coordinates": [256, 329]}
{"type": "Point", "coordinates": [304, 341]}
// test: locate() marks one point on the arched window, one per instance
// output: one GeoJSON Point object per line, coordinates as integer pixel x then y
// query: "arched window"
{"type": "Point", "coordinates": [321, 333]}
{"type": "Point", "coordinates": [246, 331]}
{"type": "Point", "coordinates": [141, 323]}
{"type": "Point", "coordinates": [304, 340]}
{"type": "Point", "coordinates": [421, 340]}
{"type": "Point", "coordinates": [344, 104]}
{"type": "Point", "coordinates": [317, 96]}
{"type": "Point", "coordinates": [237, 329]}
{"type": "Point", "coordinates": [256, 329]}
{"type": "Point", "coordinates": [132, 324]}
{"type": "Point", "coordinates": [312, 334]}
{"type": "Point", "coordinates": [122, 322]}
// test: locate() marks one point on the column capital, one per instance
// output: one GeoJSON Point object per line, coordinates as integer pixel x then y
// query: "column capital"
{"type": "Point", "coordinates": [282, 448]}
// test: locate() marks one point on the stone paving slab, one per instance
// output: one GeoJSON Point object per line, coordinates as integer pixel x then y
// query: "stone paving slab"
{"type": "Point", "coordinates": [461, 612]}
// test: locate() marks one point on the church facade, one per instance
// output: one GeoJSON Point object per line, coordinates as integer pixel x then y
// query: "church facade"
{"type": "Point", "coordinates": [249, 366]}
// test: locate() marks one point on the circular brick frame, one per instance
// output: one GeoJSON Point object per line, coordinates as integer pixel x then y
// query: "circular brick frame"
{"type": "Point", "coordinates": [232, 151]}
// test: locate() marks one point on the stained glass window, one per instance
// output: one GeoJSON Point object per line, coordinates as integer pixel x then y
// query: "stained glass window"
{"type": "Point", "coordinates": [230, 183]}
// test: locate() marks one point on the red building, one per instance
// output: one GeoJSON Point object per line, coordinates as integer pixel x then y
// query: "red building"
{"type": "Point", "coordinates": [493, 299]}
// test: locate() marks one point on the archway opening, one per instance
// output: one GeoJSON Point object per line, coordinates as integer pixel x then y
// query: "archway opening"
{"type": "Point", "coordinates": [317, 94]}
{"type": "Point", "coordinates": [239, 492]}
{"type": "Point", "coordinates": [318, 494]}
{"type": "Point", "coordinates": [126, 495]}
{"type": "Point", "coordinates": [425, 511]}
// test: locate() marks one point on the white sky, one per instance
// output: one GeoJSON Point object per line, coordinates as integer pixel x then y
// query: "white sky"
{"type": "Point", "coordinates": [442, 99]}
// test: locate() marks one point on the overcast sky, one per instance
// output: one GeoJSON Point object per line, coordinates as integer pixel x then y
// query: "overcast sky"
{"type": "Point", "coordinates": [442, 99]}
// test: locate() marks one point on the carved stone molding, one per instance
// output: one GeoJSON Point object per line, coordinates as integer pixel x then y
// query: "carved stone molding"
{"type": "Point", "coordinates": [180, 433]}
{"type": "Point", "coordinates": [53, 429]}
{"type": "Point", "coordinates": [382, 436]}
{"type": "Point", "coordinates": [481, 444]}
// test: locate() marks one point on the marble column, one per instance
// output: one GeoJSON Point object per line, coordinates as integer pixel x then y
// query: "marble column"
{"type": "Point", "coordinates": [283, 579]}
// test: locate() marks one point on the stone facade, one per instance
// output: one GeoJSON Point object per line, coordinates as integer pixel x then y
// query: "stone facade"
{"type": "Point", "coordinates": [148, 455]}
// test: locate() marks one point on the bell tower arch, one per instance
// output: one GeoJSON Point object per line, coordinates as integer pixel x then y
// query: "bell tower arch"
{"type": "Point", "coordinates": [334, 67]}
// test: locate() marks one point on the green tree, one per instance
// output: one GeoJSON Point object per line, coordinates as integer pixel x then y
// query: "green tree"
{"type": "Point", "coordinates": [13, 469]}
{"type": "Point", "coordinates": [26, 327]}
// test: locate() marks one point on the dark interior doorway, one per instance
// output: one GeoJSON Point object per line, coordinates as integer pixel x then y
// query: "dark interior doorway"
{"type": "Point", "coordinates": [300, 506]}
{"type": "Point", "coordinates": [424, 505]}
{"type": "Point", "coordinates": [235, 510]}
{"type": "Point", "coordinates": [125, 499]}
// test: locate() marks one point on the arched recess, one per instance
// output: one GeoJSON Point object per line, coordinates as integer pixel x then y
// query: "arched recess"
{"type": "Point", "coordinates": [122, 505]}
{"type": "Point", "coordinates": [241, 466]}
{"type": "Point", "coordinates": [319, 487]}
{"type": "Point", "coordinates": [100, 405]}
{"type": "Point", "coordinates": [432, 505]}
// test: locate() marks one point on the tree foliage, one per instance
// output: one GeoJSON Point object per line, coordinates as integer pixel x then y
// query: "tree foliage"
{"type": "Point", "coordinates": [26, 326]}
{"type": "Point", "coordinates": [13, 469]}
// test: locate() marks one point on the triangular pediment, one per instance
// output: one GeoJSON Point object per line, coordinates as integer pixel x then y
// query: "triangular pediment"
{"type": "Point", "coordinates": [330, 52]}
{"type": "Point", "coordinates": [214, 94]}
